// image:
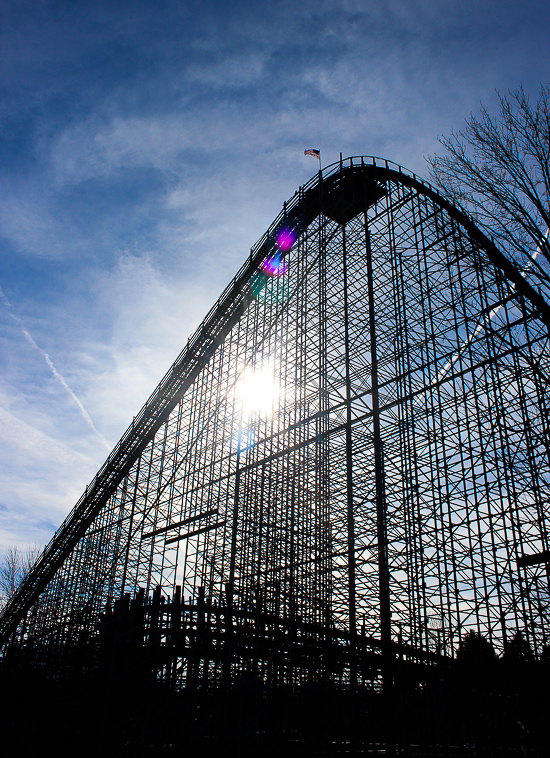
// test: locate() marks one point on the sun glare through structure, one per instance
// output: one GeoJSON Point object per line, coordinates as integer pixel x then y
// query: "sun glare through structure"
{"type": "Point", "coordinates": [258, 390]}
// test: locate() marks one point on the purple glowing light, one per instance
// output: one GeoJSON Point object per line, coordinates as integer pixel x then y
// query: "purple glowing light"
{"type": "Point", "coordinates": [285, 239]}
{"type": "Point", "coordinates": [273, 266]}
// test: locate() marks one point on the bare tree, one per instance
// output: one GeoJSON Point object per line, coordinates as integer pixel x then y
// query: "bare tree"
{"type": "Point", "coordinates": [497, 170]}
{"type": "Point", "coordinates": [13, 569]}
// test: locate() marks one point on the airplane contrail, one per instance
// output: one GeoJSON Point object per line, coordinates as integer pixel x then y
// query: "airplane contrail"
{"type": "Point", "coordinates": [60, 378]}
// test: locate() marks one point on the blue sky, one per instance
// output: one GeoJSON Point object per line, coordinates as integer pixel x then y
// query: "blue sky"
{"type": "Point", "coordinates": [145, 148]}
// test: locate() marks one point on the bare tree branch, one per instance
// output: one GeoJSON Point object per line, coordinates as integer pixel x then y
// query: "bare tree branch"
{"type": "Point", "coordinates": [13, 569]}
{"type": "Point", "coordinates": [497, 170]}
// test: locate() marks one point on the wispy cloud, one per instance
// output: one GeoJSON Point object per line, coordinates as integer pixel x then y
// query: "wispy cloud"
{"type": "Point", "coordinates": [41, 480]}
{"type": "Point", "coordinates": [30, 222]}
{"type": "Point", "coordinates": [58, 376]}
{"type": "Point", "coordinates": [240, 70]}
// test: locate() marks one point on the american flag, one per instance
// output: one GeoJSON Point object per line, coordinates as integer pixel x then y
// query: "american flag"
{"type": "Point", "coordinates": [315, 153]}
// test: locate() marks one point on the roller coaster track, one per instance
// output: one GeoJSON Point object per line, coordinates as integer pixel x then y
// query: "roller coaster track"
{"type": "Point", "coordinates": [339, 192]}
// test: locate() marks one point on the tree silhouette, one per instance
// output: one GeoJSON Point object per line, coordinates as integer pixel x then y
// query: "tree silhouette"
{"type": "Point", "coordinates": [13, 569]}
{"type": "Point", "coordinates": [518, 651]}
{"type": "Point", "coordinates": [475, 648]}
{"type": "Point", "coordinates": [497, 171]}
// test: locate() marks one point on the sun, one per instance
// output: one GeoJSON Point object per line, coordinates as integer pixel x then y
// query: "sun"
{"type": "Point", "coordinates": [258, 389]}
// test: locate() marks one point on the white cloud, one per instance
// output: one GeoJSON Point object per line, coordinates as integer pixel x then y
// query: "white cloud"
{"type": "Point", "coordinates": [151, 315]}
{"type": "Point", "coordinates": [231, 71]}
{"type": "Point", "coordinates": [39, 448]}
{"type": "Point", "coordinates": [91, 149]}
{"type": "Point", "coordinates": [30, 223]}
{"type": "Point", "coordinates": [40, 476]}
